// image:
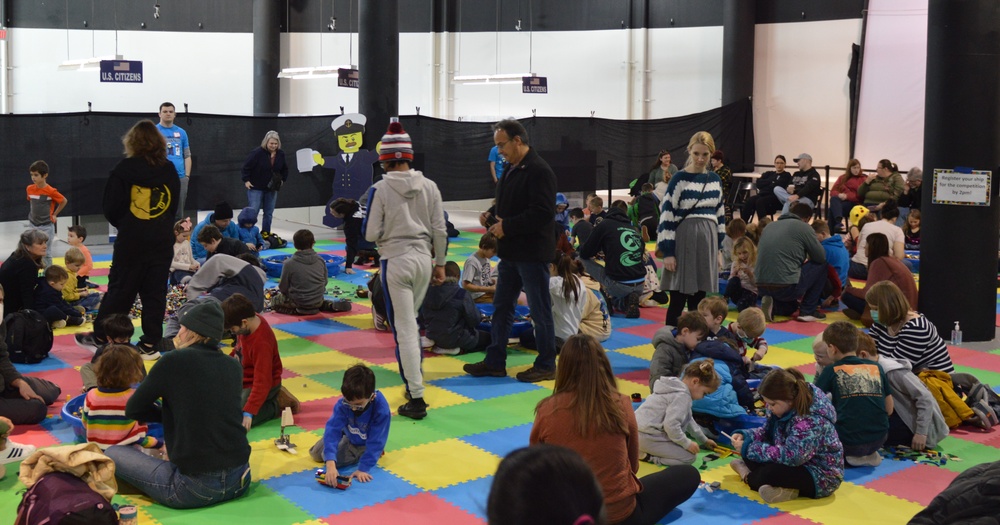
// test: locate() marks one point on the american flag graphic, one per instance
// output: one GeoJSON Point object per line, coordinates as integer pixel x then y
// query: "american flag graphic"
{"type": "Point", "coordinates": [121, 66]}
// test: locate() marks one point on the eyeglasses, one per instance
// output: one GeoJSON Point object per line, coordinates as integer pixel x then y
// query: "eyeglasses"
{"type": "Point", "coordinates": [358, 406]}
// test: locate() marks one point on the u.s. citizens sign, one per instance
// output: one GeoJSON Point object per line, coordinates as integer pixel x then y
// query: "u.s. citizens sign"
{"type": "Point", "coordinates": [125, 71]}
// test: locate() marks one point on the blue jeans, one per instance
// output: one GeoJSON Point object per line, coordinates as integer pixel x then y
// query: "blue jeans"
{"type": "Point", "coordinates": [809, 288]}
{"type": "Point", "coordinates": [164, 483]}
{"type": "Point", "coordinates": [782, 195]}
{"type": "Point", "coordinates": [89, 302]}
{"type": "Point", "coordinates": [256, 198]}
{"type": "Point", "coordinates": [182, 198]}
{"type": "Point", "coordinates": [857, 270]}
{"type": "Point", "coordinates": [534, 278]}
{"type": "Point", "coordinates": [617, 290]}
{"type": "Point", "coordinates": [839, 209]}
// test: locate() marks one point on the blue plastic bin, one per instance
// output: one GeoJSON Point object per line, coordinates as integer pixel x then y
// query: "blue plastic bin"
{"type": "Point", "coordinates": [272, 264]}
{"type": "Point", "coordinates": [517, 329]}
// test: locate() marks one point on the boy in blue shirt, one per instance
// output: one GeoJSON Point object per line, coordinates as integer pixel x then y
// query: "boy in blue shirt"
{"type": "Point", "coordinates": [860, 394]}
{"type": "Point", "coordinates": [358, 429]}
{"type": "Point", "coordinates": [248, 230]}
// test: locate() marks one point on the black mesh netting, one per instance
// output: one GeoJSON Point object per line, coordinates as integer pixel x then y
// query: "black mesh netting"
{"type": "Point", "coordinates": [81, 148]}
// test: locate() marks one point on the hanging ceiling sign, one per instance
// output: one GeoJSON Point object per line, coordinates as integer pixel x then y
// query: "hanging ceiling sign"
{"type": "Point", "coordinates": [347, 78]}
{"type": "Point", "coordinates": [537, 85]}
{"type": "Point", "coordinates": [122, 71]}
{"type": "Point", "coordinates": [961, 186]}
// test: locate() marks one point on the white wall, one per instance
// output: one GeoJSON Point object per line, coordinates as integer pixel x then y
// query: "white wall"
{"type": "Point", "coordinates": [891, 113]}
{"type": "Point", "coordinates": [801, 91]}
{"type": "Point", "coordinates": [212, 72]}
{"type": "Point", "coordinates": [686, 71]}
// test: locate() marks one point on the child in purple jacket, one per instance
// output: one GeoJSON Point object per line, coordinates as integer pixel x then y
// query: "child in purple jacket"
{"type": "Point", "coordinates": [797, 452]}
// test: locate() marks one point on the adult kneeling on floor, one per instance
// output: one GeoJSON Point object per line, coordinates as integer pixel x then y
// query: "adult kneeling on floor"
{"type": "Point", "coordinates": [202, 420]}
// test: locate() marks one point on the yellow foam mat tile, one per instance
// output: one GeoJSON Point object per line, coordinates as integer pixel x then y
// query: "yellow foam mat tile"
{"type": "Point", "coordinates": [849, 505]}
{"type": "Point", "coordinates": [436, 397]}
{"type": "Point", "coordinates": [267, 462]}
{"type": "Point", "coordinates": [514, 370]}
{"type": "Point", "coordinates": [319, 362]}
{"type": "Point", "coordinates": [359, 321]}
{"type": "Point", "coordinates": [437, 368]}
{"type": "Point", "coordinates": [640, 351]}
{"type": "Point", "coordinates": [630, 387]}
{"type": "Point", "coordinates": [306, 389]}
{"type": "Point", "coordinates": [280, 336]}
{"type": "Point", "coordinates": [784, 358]}
{"type": "Point", "coordinates": [440, 464]}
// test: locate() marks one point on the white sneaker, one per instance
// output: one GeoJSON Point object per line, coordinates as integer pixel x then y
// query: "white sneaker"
{"type": "Point", "coordinates": [446, 351]}
{"type": "Point", "coordinates": [425, 342]}
{"type": "Point", "coordinates": [15, 452]}
{"type": "Point", "coordinates": [871, 460]}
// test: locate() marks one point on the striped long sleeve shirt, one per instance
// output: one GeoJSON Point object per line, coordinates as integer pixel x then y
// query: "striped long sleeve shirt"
{"type": "Point", "coordinates": [105, 421]}
{"type": "Point", "coordinates": [689, 195]}
{"type": "Point", "coordinates": [918, 342]}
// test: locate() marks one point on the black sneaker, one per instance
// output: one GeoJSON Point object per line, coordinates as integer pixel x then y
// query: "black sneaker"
{"type": "Point", "coordinates": [414, 409]}
{"type": "Point", "coordinates": [632, 306]}
{"type": "Point", "coordinates": [147, 352]}
{"type": "Point", "coordinates": [480, 369]}
{"type": "Point", "coordinates": [87, 341]}
{"type": "Point", "coordinates": [535, 374]}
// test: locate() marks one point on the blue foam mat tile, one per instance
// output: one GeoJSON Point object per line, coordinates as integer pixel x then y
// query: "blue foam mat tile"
{"type": "Point", "coordinates": [619, 340]}
{"type": "Point", "coordinates": [303, 490]}
{"type": "Point", "coordinates": [862, 475]}
{"type": "Point", "coordinates": [719, 508]}
{"type": "Point", "coordinates": [49, 363]}
{"type": "Point", "coordinates": [59, 429]}
{"type": "Point", "coordinates": [470, 496]}
{"type": "Point", "coordinates": [359, 278]}
{"type": "Point", "coordinates": [775, 336]}
{"type": "Point", "coordinates": [501, 442]}
{"type": "Point", "coordinates": [619, 321]}
{"type": "Point", "coordinates": [623, 363]}
{"type": "Point", "coordinates": [480, 388]}
{"type": "Point", "coordinates": [316, 327]}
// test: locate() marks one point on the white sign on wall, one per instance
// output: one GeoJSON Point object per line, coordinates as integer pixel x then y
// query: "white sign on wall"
{"type": "Point", "coordinates": [962, 187]}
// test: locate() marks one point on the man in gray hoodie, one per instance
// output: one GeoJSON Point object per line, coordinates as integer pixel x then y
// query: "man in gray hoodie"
{"type": "Point", "coordinates": [406, 221]}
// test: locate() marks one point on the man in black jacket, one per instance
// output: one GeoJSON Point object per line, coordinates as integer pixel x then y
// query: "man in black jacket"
{"type": "Point", "coordinates": [623, 273]}
{"type": "Point", "coordinates": [524, 219]}
{"type": "Point", "coordinates": [805, 186]}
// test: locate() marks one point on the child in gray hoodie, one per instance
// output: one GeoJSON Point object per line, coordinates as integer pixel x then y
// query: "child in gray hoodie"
{"type": "Point", "coordinates": [916, 420]}
{"type": "Point", "coordinates": [406, 221]}
{"type": "Point", "coordinates": [674, 346]}
{"type": "Point", "coordinates": [665, 419]}
{"type": "Point", "coordinates": [303, 281]}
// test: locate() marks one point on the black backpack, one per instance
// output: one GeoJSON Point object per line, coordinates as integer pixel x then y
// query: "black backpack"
{"type": "Point", "coordinates": [28, 337]}
{"type": "Point", "coordinates": [58, 498]}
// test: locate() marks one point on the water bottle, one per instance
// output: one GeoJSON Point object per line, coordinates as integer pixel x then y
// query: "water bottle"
{"type": "Point", "coordinates": [956, 335]}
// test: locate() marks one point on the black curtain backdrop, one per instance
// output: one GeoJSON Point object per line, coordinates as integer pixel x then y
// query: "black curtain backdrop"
{"type": "Point", "coordinates": [81, 148]}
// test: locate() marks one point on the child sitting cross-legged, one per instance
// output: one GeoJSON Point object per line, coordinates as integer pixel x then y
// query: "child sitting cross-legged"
{"type": "Point", "coordinates": [118, 369]}
{"type": "Point", "coordinates": [797, 452]}
{"type": "Point", "coordinates": [249, 232]}
{"type": "Point", "coordinates": [358, 429]}
{"type": "Point", "coordinates": [665, 420]}
{"type": "Point", "coordinates": [674, 346]}
{"type": "Point", "coordinates": [303, 281]}
{"type": "Point", "coordinates": [183, 264]}
{"type": "Point", "coordinates": [73, 292]}
{"type": "Point", "coordinates": [118, 328]}
{"type": "Point", "coordinates": [861, 396]}
{"type": "Point", "coordinates": [49, 299]}
{"type": "Point", "coordinates": [451, 317]}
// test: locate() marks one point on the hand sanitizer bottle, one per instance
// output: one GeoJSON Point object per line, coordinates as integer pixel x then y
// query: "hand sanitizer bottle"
{"type": "Point", "coordinates": [956, 335]}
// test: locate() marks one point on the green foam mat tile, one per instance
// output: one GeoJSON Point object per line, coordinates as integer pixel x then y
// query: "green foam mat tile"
{"type": "Point", "coordinates": [384, 378]}
{"type": "Point", "coordinates": [260, 506]}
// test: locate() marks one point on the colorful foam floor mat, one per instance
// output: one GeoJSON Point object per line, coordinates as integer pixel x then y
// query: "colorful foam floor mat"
{"type": "Point", "coordinates": [438, 470]}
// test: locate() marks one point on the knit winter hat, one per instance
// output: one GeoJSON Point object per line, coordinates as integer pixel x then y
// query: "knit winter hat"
{"type": "Point", "coordinates": [205, 319]}
{"type": "Point", "coordinates": [223, 211]}
{"type": "Point", "coordinates": [396, 144]}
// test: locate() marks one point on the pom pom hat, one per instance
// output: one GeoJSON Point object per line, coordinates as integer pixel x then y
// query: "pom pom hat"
{"type": "Point", "coordinates": [396, 145]}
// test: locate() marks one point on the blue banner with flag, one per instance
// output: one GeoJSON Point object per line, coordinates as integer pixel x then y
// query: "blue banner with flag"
{"type": "Point", "coordinates": [127, 71]}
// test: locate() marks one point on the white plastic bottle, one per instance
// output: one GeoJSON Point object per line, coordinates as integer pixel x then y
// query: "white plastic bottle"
{"type": "Point", "coordinates": [956, 335]}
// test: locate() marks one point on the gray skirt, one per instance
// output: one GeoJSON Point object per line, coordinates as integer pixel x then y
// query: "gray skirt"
{"type": "Point", "coordinates": [697, 258]}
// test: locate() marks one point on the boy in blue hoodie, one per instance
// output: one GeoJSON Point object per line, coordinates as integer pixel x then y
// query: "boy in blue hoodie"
{"type": "Point", "coordinates": [358, 429]}
{"type": "Point", "coordinates": [222, 218]}
{"type": "Point", "coordinates": [562, 211]}
{"type": "Point", "coordinates": [248, 231]}
{"type": "Point", "coordinates": [451, 317]}
{"type": "Point", "coordinates": [837, 257]}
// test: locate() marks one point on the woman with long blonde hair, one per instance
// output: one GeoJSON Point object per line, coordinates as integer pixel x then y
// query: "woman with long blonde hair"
{"type": "Point", "coordinates": [587, 414]}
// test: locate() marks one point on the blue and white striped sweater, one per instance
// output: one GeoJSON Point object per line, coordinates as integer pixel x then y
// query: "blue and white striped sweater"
{"type": "Point", "coordinates": [689, 195]}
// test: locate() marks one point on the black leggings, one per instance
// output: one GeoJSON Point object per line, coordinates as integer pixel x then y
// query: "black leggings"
{"type": "Point", "coordinates": [782, 476]}
{"type": "Point", "coordinates": [899, 433]}
{"type": "Point", "coordinates": [677, 302]}
{"type": "Point", "coordinates": [662, 492]}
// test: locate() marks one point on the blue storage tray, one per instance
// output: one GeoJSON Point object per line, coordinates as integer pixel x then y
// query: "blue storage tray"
{"type": "Point", "coordinates": [517, 329]}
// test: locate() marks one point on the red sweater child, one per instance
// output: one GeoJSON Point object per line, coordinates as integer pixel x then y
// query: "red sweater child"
{"type": "Point", "coordinates": [258, 353]}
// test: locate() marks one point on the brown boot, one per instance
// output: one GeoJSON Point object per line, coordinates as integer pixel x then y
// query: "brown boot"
{"type": "Point", "coordinates": [286, 399]}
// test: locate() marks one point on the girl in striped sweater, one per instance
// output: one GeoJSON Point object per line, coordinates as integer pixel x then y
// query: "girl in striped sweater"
{"type": "Point", "coordinates": [118, 368]}
{"type": "Point", "coordinates": [692, 227]}
{"type": "Point", "coordinates": [902, 333]}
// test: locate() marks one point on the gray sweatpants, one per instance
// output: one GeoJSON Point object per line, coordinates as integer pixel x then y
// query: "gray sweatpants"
{"type": "Point", "coordinates": [663, 450]}
{"type": "Point", "coordinates": [347, 452]}
{"type": "Point", "coordinates": [405, 279]}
